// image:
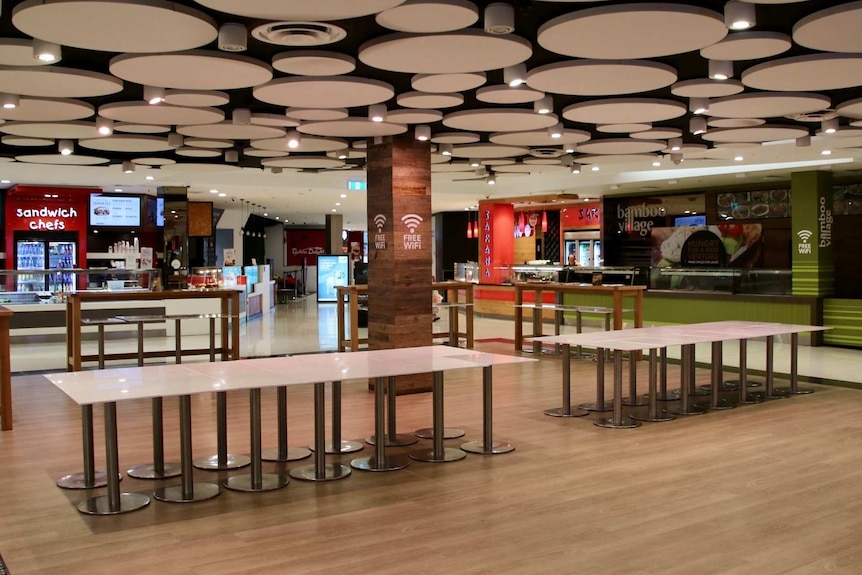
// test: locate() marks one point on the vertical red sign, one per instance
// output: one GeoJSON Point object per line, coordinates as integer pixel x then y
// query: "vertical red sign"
{"type": "Point", "coordinates": [496, 242]}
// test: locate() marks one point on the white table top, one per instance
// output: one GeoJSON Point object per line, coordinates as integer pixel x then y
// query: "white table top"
{"type": "Point", "coordinates": [99, 386]}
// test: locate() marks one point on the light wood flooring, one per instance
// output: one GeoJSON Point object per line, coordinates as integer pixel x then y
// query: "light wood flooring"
{"type": "Point", "coordinates": [765, 489]}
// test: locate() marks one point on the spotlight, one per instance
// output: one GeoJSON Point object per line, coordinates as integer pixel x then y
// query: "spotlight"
{"type": "Point", "coordinates": [556, 131]}
{"type": "Point", "coordinates": [231, 156]}
{"type": "Point", "coordinates": [423, 133]}
{"type": "Point", "coordinates": [720, 69]}
{"type": "Point", "coordinates": [499, 18]}
{"type": "Point", "coordinates": [128, 167]}
{"type": "Point", "coordinates": [294, 139]}
{"type": "Point", "coordinates": [232, 37]}
{"type": "Point", "coordinates": [491, 179]}
{"type": "Point", "coordinates": [515, 75]}
{"type": "Point", "coordinates": [241, 117]}
{"type": "Point", "coordinates": [46, 51]}
{"type": "Point", "coordinates": [175, 140]}
{"type": "Point", "coordinates": [739, 15]}
{"type": "Point", "coordinates": [697, 125]}
{"type": "Point", "coordinates": [474, 163]}
{"type": "Point", "coordinates": [105, 126]}
{"type": "Point", "coordinates": [576, 168]}
{"type": "Point", "coordinates": [446, 149]}
{"type": "Point", "coordinates": [154, 95]}
{"type": "Point", "coordinates": [829, 126]}
{"type": "Point", "coordinates": [9, 101]}
{"type": "Point", "coordinates": [698, 106]}
{"type": "Point", "coordinates": [675, 144]}
{"type": "Point", "coordinates": [803, 141]}
{"type": "Point", "coordinates": [66, 147]}
{"type": "Point", "coordinates": [544, 105]}
{"type": "Point", "coordinates": [377, 112]}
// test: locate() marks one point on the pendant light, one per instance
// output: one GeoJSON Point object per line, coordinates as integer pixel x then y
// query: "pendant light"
{"type": "Point", "coordinates": [544, 221]}
{"type": "Point", "coordinates": [476, 227]}
{"type": "Point", "coordinates": [469, 226]}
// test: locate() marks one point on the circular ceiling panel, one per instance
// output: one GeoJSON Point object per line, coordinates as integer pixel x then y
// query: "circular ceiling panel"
{"type": "Point", "coordinates": [488, 151]}
{"type": "Point", "coordinates": [208, 143]}
{"type": "Point", "coordinates": [192, 167]}
{"type": "Point", "coordinates": [301, 9]}
{"type": "Point", "coordinates": [154, 161]}
{"type": "Point", "coordinates": [352, 128]}
{"type": "Point", "coordinates": [621, 146]}
{"type": "Point", "coordinates": [834, 29]}
{"type": "Point", "coordinates": [532, 169]}
{"type": "Point", "coordinates": [439, 159]}
{"type": "Point", "coordinates": [196, 98]}
{"type": "Point", "coordinates": [626, 31]}
{"type": "Point", "coordinates": [765, 133]}
{"type": "Point", "coordinates": [429, 101]}
{"type": "Point", "coordinates": [735, 122]}
{"type": "Point", "coordinates": [313, 63]}
{"type": "Point", "coordinates": [52, 130]}
{"type": "Point", "coordinates": [127, 143]}
{"type": "Point", "coordinates": [48, 110]}
{"type": "Point", "coordinates": [61, 160]}
{"type": "Point", "coordinates": [324, 92]}
{"type": "Point", "coordinates": [116, 26]}
{"type": "Point", "coordinates": [227, 130]}
{"type": "Point", "coordinates": [54, 82]}
{"type": "Point", "coordinates": [540, 138]}
{"type": "Point", "coordinates": [191, 70]}
{"type": "Point", "coordinates": [140, 128]}
{"type": "Point", "coordinates": [416, 116]}
{"type": "Point", "coordinates": [498, 119]}
{"type": "Point", "coordinates": [451, 167]}
{"type": "Point", "coordinates": [468, 50]}
{"type": "Point", "coordinates": [18, 52]}
{"type": "Point", "coordinates": [275, 120]}
{"type": "Point", "coordinates": [811, 72]}
{"type": "Point", "coordinates": [303, 162]}
{"type": "Point", "coordinates": [189, 152]}
{"type": "Point", "coordinates": [505, 94]}
{"type": "Point", "coordinates": [767, 105]}
{"type": "Point", "coordinates": [601, 77]}
{"type": "Point", "coordinates": [606, 160]}
{"type": "Point", "coordinates": [429, 16]}
{"type": "Point", "coordinates": [25, 141]}
{"type": "Point", "coordinates": [307, 144]}
{"type": "Point", "coordinates": [164, 114]}
{"type": "Point", "coordinates": [624, 111]}
{"type": "Point", "coordinates": [658, 133]}
{"type": "Point", "coordinates": [442, 83]}
{"type": "Point", "coordinates": [748, 46]}
{"type": "Point", "coordinates": [256, 153]}
{"type": "Point", "coordinates": [623, 128]}
{"type": "Point", "coordinates": [455, 138]}
{"type": "Point", "coordinates": [706, 88]}
{"type": "Point", "coordinates": [850, 109]}
{"type": "Point", "coordinates": [317, 114]}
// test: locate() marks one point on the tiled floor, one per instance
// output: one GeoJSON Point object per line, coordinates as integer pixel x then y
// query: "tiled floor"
{"type": "Point", "coordinates": [304, 326]}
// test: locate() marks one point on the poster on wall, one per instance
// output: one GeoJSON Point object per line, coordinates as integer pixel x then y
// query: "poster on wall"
{"type": "Point", "coordinates": [146, 258]}
{"type": "Point", "coordinates": [332, 272]}
{"type": "Point", "coordinates": [303, 245]}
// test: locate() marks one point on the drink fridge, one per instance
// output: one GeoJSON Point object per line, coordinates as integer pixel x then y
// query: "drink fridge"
{"type": "Point", "coordinates": [585, 246]}
{"type": "Point", "coordinates": [46, 252]}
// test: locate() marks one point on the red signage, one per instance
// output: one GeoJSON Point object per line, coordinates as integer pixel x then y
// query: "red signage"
{"type": "Point", "coordinates": [586, 216]}
{"type": "Point", "coordinates": [303, 245]}
{"type": "Point", "coordinates": [496, 242]}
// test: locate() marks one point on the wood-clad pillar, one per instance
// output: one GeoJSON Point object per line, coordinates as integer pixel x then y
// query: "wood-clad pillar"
{"type": "Point", "coordinates": [400, 243]}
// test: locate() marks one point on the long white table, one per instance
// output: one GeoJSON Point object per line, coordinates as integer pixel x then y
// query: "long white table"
{"type": "Point", "coordinates": [112, 385]}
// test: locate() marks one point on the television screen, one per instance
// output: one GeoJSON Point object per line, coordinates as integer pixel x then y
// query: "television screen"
{"type": "Point", "coordinates": [160, 212]}
{"type": "Point", "coordinates": [117, 211]}
{"type": "Point", "coordinates": [684, 221]}
{"type": "Point", "coordinates": [332, 271]}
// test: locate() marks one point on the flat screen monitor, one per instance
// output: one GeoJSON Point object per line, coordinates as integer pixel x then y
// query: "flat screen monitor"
{"type": "Point", "coordinates": [360, 273]}
{"type": "Point", "coordinates": [160, 212]}
{"type": "Point", "coordinates": [115, 211]}
{"type": "Point", "coordinates": [684, 221]}
{"type": "Point", "coordinates": [332, 272]}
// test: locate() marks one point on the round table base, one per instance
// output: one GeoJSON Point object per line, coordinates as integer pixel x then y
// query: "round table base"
{"type": "Point", "coordinates": [626, 423]}
{"type": "Point", "coordinates": [293, 454]}
{"type": "Point", "coordinates": [724, 386]}
{"type": "Point", "coordinates": [200, 492]}
{"type": "Point", "coordinates": [268, 482]}
{"type": "Point", "coordinates": [692, 410]}
{"type": "Point", "coordinates": [638, 402]}
{"type": "Point", "coordinates": [495, 448]}
{"type": "Point", "coordinates": [212, 463]}
{"type": "Point", "coordinates": [77, 481]}
{"type": "Point", "coordinates": [561, 412]}
{"type": "Point", "coordinates": [343, 447]}
{"type": "Point", "coordinates": [698, 392]}
{"type": "Point", "coordinates": [448, 433]}
{"type": "Point", "coordinates": [101, 506]}
{"type": "Point", "coordinates": [428, 455]}
{"type": "Point", "coordinates": [751, 383]}
{"type": "Point", "coordinates": [608, 406]}
{"type": "Point", "coordinates": [722, 404]}
{"type": "Point", "coordinates": [400, 440]}
{"type": "Point", "coordinates": [148, 471]}
{"type": "Point", "coordinates": [331, 472]}
{"type": "Point", "coordinates": [660, 417]}
{"type": "Point", "coordinates": [797, 391]}
{"type": "Point", "coordinates": [389, 463]}
{"type": "Point", "coordinates": [752, 399]}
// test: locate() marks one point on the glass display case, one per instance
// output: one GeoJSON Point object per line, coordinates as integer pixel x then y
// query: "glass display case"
{"type": "Point", "coordinates": [467, 272]}
{"type": "Point", "coordinates": [48, 286]}
{"type": "Point", "coordinates": [606, 275]}
{"type": "Point", "coordinates": [536, 272]}
{"type": "Point", "coordinates": [728, 280]}
{"type": "Point", "coordinates": [205, 278]}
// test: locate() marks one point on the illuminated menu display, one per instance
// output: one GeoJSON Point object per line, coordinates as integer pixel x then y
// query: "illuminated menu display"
{"type": "Point", "coordinates": [117, 211]}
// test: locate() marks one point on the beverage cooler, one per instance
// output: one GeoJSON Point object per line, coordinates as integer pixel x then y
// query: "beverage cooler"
{"type": "Point", "coordinates": [586, 248]}
{"type": "Point", "coordinates": [45, 252]}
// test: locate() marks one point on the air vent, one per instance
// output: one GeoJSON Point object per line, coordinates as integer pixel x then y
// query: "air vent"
{"type": "Point", "coordinates": [546, 152]}
{"type": "Point", "coordinates": [299, 33]}
{"type": "Point", "coordinates": [814, 116]}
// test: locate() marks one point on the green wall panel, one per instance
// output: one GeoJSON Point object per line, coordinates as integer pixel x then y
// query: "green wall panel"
{"type": "Point", "coordinates": [844, 316]}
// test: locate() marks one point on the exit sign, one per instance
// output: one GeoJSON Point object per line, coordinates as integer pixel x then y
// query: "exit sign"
{"type": "Point", "coordinates": [357, 185]}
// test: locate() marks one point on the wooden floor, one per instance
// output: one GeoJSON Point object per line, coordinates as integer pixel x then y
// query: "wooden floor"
{"type": "Point", "coordinates": [766, 489]}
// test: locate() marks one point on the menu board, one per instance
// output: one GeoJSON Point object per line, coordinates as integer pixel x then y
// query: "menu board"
{"type": "Point", "coordinates": [753, 205]}
{"type": "Point", "coordinates": [119, 211]}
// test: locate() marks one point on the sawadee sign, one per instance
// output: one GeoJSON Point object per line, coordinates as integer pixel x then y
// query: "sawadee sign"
{"type": "Point", "coordinates": [45, 218]}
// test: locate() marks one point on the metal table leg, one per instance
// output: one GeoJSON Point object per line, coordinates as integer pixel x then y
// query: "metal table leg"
{"type": "Point", "coordinates": [221, 460]}
{"type": "Point", "coordinates": [448, 432]}
{"type": "Point", "coordinates": [283, 453]}
{"type": "Point", "coordinates": [256, 480]}
{"type": "Point", "coordinates": [438, 454]}
{"type": "Point", "coordinates": [600, 405]}
{"type": "Point", "coordinates": [114, 502]}
{"type": "Point", "coordinates": [685, 406]}
{"type": "Point", "coordinates": [566, 410]}
{"type": "Point", "coordinates": [771, 392]}
{"type": "Point", "coordinates": [320, 470]}
{"type": "Point", "coordinates": [488, 446]}
{"type": "Point", "coordinates": [663, 394]}
{"type": "Point", "coordinates": [654, 414]}
{"type": "Point", "coordinates": [579, 327]}
{"type": "Point", "coordinates": [380, 461]}
{"type": "Point", "coordinates": [90, 478]}
{"type": "Point", "coordinates": [745, 398]}
{"type": "Point", "coordinates": [187, 491]}
{"type": "Point", "coordinates": [617, 421]}
{"type": "Point", "coordinates": [337, 445]}
{"type": "Point", "coordinates": [633, 400]}
{"type": "Point", "coordinates": [717, 402]}
{"type": "Point", "coordinates": [794, 388]}
{"type": "Point", "coordinates": [393, 438]}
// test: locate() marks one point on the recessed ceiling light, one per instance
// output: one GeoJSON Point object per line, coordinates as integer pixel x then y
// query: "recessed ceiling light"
{"type": "Point", "coordinates": [222, 195]}
{"type": "Point", "coordinates": [118, 189]}
{"type": "Point", "coordinates": [595, 168]}
{"type": "Point", "coordinates": [826, 153]}
{"type": "Point", "coordinates": [343, 195]}
{"type": "Point", "coordinates": [333, 210]}
{"type": "Point", "coordinates": [150, 178]}
{"type": "Point", "coordinates": [672, 183]}
{"type": "Point", "coordinates": [213, 191]}
{"type": "Point", "coordinates": [337, 203]}
{"type": "Point", "coordinates": [656, 163]}
{"type": "Point", "coordinates": [739, 158]}
{"type": "Point", "coordinates": [5, 181]}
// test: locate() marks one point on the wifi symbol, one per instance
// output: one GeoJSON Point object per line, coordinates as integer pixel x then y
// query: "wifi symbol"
{"type": "Point", "coordinates": [412, 221]}
{"type": "Point", "coordinates": [804, 235]}
{"type": "Point", "coordinates": [379, 221]}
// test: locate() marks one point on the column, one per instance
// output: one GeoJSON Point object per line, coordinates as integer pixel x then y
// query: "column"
{"type": "Point", "coordinates": [813, 267]}
{"type": "Point", "coordinates": [334, 231]}
{"type": "Point", "coordinates": [496, 241]}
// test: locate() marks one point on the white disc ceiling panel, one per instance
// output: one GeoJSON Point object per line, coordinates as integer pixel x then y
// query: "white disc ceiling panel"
{"type": "Point", "coordinates": [748, 46]}
{"type": "Point", "coordinates": [429, 101]}
{"type": "Point", "coordinates": [352, 128]}
{"type": "Point", "coordinates": [301, 9]}
{"type": "Point", "coordinates": [164, 114]}
{"type": "Point", "coordinates": [208, 143]}
{"type": "Point", "coordinates": [116, 26]}
{"type": "Point", "coordinates": [623, 128]}
{"type": "Point", "coordinates": [706, 88]}
{"type": "Point", "coordinates": [303, 162]}
{"type": "Point", "coordinates": [190, 152]}
{"type": "Point", "coordinates": [313, 63]}
{"type": "Point", "coordinates": [498, 119]}
{"type": "Point", "coordinates": [658, 133]}
{"type": "Point", "coordinates": [601, 77]}
{"type": "Point", "coordinates": [307, 144]}
{"type": "Point", "coordinates": [451, 167]}
{"type": "Point", "coordinates": [256, 153]}
{"type": "Point", "coordinates": [834, 29]}
{"type": "Point", "coordinates": [468, 50]}
{"type": "Point", "coordinates": [316, 114]}
{"type": "Point", "coordinates": [532, 169]}
{"type": "Point", "coordinates": [455, 138]}
{"type": "Point", "coordinates": [555, 161]}
{"type": "Point", "coordinates": [429, 16]}
{"type": "Point", "coordinates": [417, 116]}
{"type": "Point", "coordinates": [203, 168]}
{"type": "Point", "coordinates": [488, 151]}
{"type": "Point", "coordinates": [764, 133]}
{"type": "Point", "coordinates": [52, 130]}
{"type": "Point", "coordinates": [621, 146]}
{"type": "Point", "coordinates": [735, 122]}
{"type": "Point", "coordinates": [626, 31]}
{"type": "Point", "coordinates": [48, 110]}
{"type": "Point", "coordinates": [191, 70]}
{"type": "Point", "coordinates": [25, 141]}
{"type": "Point", "coordinates": [617, 160]}
{"type": "Point", "coordinates": [442, 83]}
{"type": "Point", "coordinates": [130, 128]}
{"type": "Point", "coordinates": [275, 120]}
{"type": "Point", "coordinates": [850, 108]}
{"type": "Point", "coordinates": [811, 72]}
{"type": "Point", "coordinates": [127, 143]}
{"type": "Point", "coordinates": [324, 92]}
{"type": "Point", "coordinates": [61, 160]}
{"type": "Point", "coordinates": [767, 105]}
{"type": "Point", "coordinates": [227, 130]}
{"type": "Point", "coordinates": [624, 111]}
{"type": "Point", "coordinates": [18, 52]}
{"type": "Point", "coordinates": [196, 98]}
{"type": "Point", "coordinates": [540, 138]}
{"type": "Point", "coordinates": [773, 1]}
{"type": "Point", "coordinates": [505, 94]}
{"type": "Point", "coordinates": [154, 161]}
{"type": "Point", "coordinates": [439, 159]}
{"type": "Point", "coordinates": [54, 82]}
